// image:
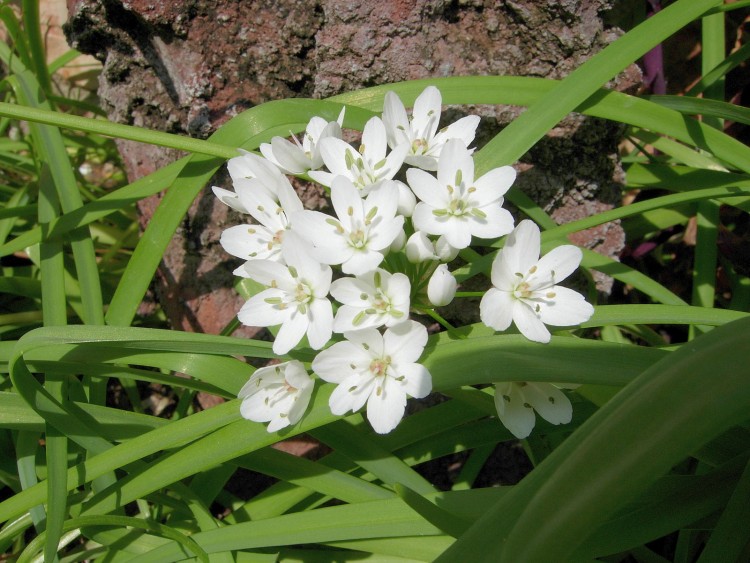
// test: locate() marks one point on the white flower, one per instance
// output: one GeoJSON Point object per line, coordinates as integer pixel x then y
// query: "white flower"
{"type": "Point", "coordinates": [379, 370]}
{"type": "Point", "coordinates": [456, 205]}
{"type": "Point", "coordinates": [441, 289]}
{"type": "Point", "coordinates": [371, 300]}
{"type": "Point", "coordinates": [525, 290]}
{"type": "Point", "coordinates": [363, 231]}
{"type": "Point", "coordinates": [419, 248]}
{"type": "Point", "coordinates": [297, 158]}
{"type": "Point", "coordinates": [296, 297]}
{"type": "Point", "coordinates": [250, 165]}
{"type": "Point", "coordinates": [420, 134]}
{"type": "Point", "coordinates": [366, 167]}
{"type": "Point", "coordinates": [516, 402]}
{"type": "Point", "coordinates": [250, 174]}
{"type": "Point", "coordinates": [277, 394]}
{"type": "Point", "coordinates": [262, 241]}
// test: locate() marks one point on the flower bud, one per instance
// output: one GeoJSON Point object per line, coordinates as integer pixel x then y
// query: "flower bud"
{"type": "Point", "coordinates": [441, 288]}
{"type": "Point", "coordinates": [419, 248]}
{"type": "Point", "coordinates": [444, 251]}
{"type": "Point", "coordinates": [399, 242]}
{"type": "Point", "coordinates": [407, 201]}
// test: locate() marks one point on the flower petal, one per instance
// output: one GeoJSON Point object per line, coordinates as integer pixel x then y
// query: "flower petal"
{"type": "Point", "coordinates": [290, 333]}
{"type": "Point", "coordinates": [556, 265]}
{"type": "Point", "coordinates": [521, 250]}
{"type": "Point", "coordinates": [352, 393]}
{"type": "Point", "coordinates": [334, 364]}
{"type": "Point", "coordinates": [551, 403]}
{"type": "Point", "coordinates": [516, 417]}
{"type": "Point", "coordinates": [259, 312]}
{"type": "Point", "coordinates": [566, 308]}
{"type": "Point", "coordinates": [454, 157]}
{"type": "Point", "coordinates": [320, 317]}
{"type": "Point", "coordinates": [494, 183]}
{"type": "Point", "coordinates": [496, 309]}
{"type": "Point", "coordinates": [386, 405]}
{"type": "Point", "coordinates": [528, 323]}
{"type": "Point", "coordinates": [405, 342]}
{"type": "Point", "coordinates": [417, 381]}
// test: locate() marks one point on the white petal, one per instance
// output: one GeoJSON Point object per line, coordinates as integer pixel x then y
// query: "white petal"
{"type": "Point", "coordinates": [393, 162]}
{"type": "Point", "coordinates": [496, 309]}
{"type": "Point", "coordinates": [374, 140]}
{"type": "Point", "coordinates": [300, 404]}
{"type": "Point", "coordinates": [296, 375]}
{"type": "Point", "coordinates": [361, 262]}
{"type": "Point", "coordinates": [334, 364]}
{"type": "Point", "coordinates": [521, 250]}
{"type": "Point", "coordinates": [321, 323]}
{"type": "Point", "coordinates": [288, 198]}
{"type": "Point", "coordinates": [557, 265]}
{"type": "Point", "coordinates": [425, 220]}
{"type": "Point", "coordinates": [516, 417]}
{"type": "Point", "coordinates": [350, 290]}
{"type": "Point", "coordinates": [566, 308]}
{"type": "Point", "coordinates": [551, 403]}
{"type": "Point", "coordinates": [347, 203]}
{"type": "Point", "coordinates": [456, 231]}
{"type": "Point", "coordinates": [426, 113]}
{"type": "Point", "coordinates": [229, 198]}
{"type": "Point", "coordinates": [290, 333]}
{"type": "Point", "coordinates": [289, 156]}
{"type": "Point", "coordinates": [322, 177]}
{"type": "Point", "coordinates": [258, 312]}
{"type": "Point", "coordinates": [351, 393]}
{"type": "Point", "coordinates": [349, 318]}
{"type": "Point", "coordinates": [427, 188]}
{"type": "Point", "coordinates": [405, 342]}
{"type": "Point", "coordinates": [333, 151]}
{"type": "Point", "coordinates": [395, 120]}
{"type": "Point", "coordinates": [385, 406]}
{"type": "Point", "coordinates": [528, 323]}
{"type": "Point", "coordinates": [247, 241]}
{"type": "Point", "coordinates": [495, 223]}
{"type": "Point", "coordinates": [383, 232]}
{"type": "Point", "coordinates": [256, 408]}
{"type": "Point", "coordinates": [494, 183]}
{"type": "Point", "coordinates": [269, 273]}
{"type": "Point", "coordinates": [370, 340]}
{"type": "Point", "coordinates": [417, 381]}
{"type": "Point", "coordinates": [454, 157]}
{"type": "Point", "coordinates": [422, 161]}
{"type": "Point", "coordinates": [501, 275]}
{"type": "Point", "coordinates": [464, 129]}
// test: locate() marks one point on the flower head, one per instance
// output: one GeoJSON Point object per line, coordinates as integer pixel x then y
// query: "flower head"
{"type": "Point", "coordinates": [456, 205]}
{"type": "Point", "coordinates": [421, 133]}
{"type": "Point", "coordinates": [516, 402]}
{"type": "Point", "coordinates": [380, 370]}
{"type": "Point", "coordinates": [277, 394]}
{"type": "Point", "coordinates": [371, 300]}
{"type": "Point", "coordinates": [264, 240]}
{"type": "Point", "coordinates": [296, 298]}
{"type": "Point", "coordinates": [366, 167]}
{"type": "Point", "coordinates": [362, 232]}
{"type": "Point", "coordinates": [296, 157]}
{"type": "Point", "coordinates": [525, 287]}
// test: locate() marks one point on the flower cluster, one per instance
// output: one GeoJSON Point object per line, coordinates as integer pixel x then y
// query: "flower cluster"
{"type": "Point", "coordinates": [390, 237]}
